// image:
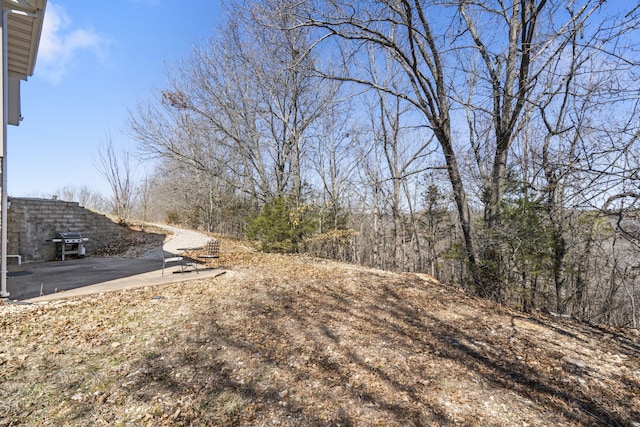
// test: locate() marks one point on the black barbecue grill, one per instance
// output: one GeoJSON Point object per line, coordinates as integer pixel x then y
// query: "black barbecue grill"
{"type": "Point", "coordinates": [71, 243]}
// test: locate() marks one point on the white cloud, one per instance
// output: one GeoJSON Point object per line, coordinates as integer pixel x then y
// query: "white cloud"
{"type": "Point", "coordinates": [60, 44]}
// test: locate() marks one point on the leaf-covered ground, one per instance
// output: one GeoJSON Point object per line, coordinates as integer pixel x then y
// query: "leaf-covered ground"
{"type": "Point", "coordinates": [295, 341]}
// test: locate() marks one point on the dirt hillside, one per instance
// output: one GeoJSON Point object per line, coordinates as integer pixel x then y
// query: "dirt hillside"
{"type": "Point", "coordinates": [295, 341]}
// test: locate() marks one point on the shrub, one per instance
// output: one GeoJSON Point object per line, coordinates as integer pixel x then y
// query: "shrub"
{"type": "Point", "coordinates": [279, 227]}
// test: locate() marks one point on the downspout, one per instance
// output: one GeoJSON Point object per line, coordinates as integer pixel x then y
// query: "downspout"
{"type": "Point", "coordinates": [5, 114]}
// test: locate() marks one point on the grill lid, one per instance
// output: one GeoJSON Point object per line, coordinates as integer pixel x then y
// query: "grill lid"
{"type": "Point", "coordinates": [70, 236]}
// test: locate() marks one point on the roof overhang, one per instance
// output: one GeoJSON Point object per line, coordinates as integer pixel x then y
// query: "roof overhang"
{"type": "Point", "coordinates": [24, 34]}
{"type": "Point", "coordinates": [24, 28]}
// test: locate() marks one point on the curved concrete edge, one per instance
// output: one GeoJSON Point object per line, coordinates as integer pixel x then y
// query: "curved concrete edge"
{"type": "Point", "coordinates": [182, 238]}
{"type": "Point", "coordinates": [152, 278]}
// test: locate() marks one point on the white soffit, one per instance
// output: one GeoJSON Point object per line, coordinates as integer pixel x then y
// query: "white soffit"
{"type": "Point", "coordinates": [24, 34]}
{"type": "Point", "coordinates": [23, 40]}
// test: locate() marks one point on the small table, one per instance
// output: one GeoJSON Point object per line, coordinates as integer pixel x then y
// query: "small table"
{"type": "Point", "coordinates": [189, 257]}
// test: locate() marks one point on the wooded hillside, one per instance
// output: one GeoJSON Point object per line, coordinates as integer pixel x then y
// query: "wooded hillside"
{"type": "Point", "coordinates": [491, 144]}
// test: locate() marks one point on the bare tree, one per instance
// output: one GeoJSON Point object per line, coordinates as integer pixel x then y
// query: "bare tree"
{"type": "Point", "coordinates": [85, 196]}
{"type": "Point", "coordinates": [402, 155]}
{"type": "Point", "coordinates": [117, 169]}
{"type": "Point", "coordinates": [573, 156]}
{"type": "Point", "coordinates": [242, 107]}
{"type": "Point", "coordinates": [144, 199]}
{"type": "Point", "coordinates": [507, 45]}
{"type": "Point", "coordinates": [403, 32]}
{"type": "Point", "coordinates": [335, 152]}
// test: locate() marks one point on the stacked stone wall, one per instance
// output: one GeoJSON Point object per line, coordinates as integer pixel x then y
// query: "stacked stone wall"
{"type": "Point", "coordinates": [32, 223]}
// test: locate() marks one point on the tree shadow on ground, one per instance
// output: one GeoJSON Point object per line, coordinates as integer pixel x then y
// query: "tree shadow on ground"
{"type": "Point", "coordinates": [396, 352]}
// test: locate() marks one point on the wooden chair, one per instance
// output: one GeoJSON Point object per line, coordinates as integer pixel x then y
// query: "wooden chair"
{"type": "Point", "coordinates": [211, 251]}
{"type": "Point", "coordinates": [166, 260]}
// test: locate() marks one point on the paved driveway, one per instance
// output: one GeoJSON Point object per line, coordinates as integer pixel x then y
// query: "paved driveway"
{"type": "Point", "coordinates": [75, 277]}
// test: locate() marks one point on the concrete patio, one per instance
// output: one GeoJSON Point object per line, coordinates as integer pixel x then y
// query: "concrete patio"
{"type": "Point", "coordinates": [77, 277]}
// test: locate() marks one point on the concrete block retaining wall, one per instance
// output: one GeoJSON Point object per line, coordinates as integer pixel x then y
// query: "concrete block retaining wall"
{"type": "Point", "coordinates": [31, 222]}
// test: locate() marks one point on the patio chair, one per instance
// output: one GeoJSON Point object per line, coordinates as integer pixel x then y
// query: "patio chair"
{"type": "Point", "coordinates": [166, 260]}
{"type": "Point", "coordinates": [211, 251]}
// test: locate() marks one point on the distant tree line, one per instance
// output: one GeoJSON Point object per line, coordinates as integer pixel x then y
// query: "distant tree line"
{"type": "Point", "coordinates": [491, 144]}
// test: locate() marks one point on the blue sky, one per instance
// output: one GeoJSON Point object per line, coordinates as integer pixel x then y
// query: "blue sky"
{"type": "Point", "coordinates": [96, 61]}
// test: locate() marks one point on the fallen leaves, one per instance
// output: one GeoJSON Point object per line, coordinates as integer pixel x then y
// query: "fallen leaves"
{"type": "Point", "coordinates": [293, 340]}
{"type": "Point", "coordinates": [134, 241]}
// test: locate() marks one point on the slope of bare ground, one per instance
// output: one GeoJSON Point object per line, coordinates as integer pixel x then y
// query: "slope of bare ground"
{"type": "Point", "coordinates": [295, 341]}
{"type": "Point", "coordinates": [135, 240]}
